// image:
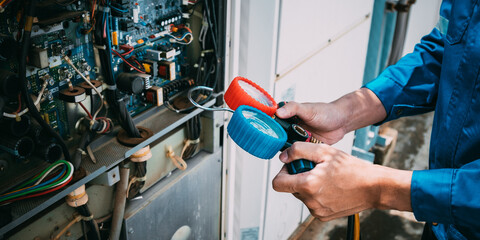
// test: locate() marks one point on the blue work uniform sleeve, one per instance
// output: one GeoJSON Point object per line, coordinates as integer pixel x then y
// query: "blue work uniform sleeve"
{"type": "Point", "coordinates": [410, 86]}
{"type": "Point", "coordinates": [449, 196]}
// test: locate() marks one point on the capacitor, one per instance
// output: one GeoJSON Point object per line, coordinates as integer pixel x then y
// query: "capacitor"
{"type": "Point", "coordinates": [20, 147]}
{"type": "Point", "coordinates": [115, 31]}
{"type": "Point", "coordinates": [49, 151]}
{"type": "Point", "coordinates": [131, 83]}
{"type": "Point", "coordinates": [16, 127]}
{"type": "Point", "coordinates": [9, 84]}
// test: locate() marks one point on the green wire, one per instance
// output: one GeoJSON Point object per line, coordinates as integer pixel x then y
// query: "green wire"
{"type": "Point", "coordinates": [39, 176]}
{"type": "Point", "coordinates": [69, 169]}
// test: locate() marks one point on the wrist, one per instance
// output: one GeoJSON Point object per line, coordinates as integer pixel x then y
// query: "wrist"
{"type": "Point", "coordinates": [359, 109]}
{"type": "Point", "coordinates": [391, 188]}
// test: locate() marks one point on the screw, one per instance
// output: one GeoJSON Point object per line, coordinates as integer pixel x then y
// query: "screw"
{"type": "Point", "coordinates": [130, 230]}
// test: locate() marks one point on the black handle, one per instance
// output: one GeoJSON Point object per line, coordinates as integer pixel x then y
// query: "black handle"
{"type": "Point", "coordinates": [300, 166]}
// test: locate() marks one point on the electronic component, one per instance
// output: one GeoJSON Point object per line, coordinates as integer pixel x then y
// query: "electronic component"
{"type": "Point", "coordinates": [8, 84]}
{"type": "Point", "coordinates": [129, 50]}
{"type": "Point", "coordinates": [153, 55]}
{"type": "Point", "coordinates": [168, 54]}
{"type": "Point", "coordinates": [146, 80]}
{"type": "Point", "coordinates": [154, 95]}
{"type": "Point", "coordinates": [166, 70]}
{"type": "Point", "coordinates": [19, 147]}
{"type": "Point", "coordinates": [89, 90]}
{"type": "Point", "coordinates": [130, 83]}
{"type": "Point", "coordinates": [39, 57]}
{"type": "Point", "coordinates": [151, 67]}
{"type": "Point", "coordinates": [48, 151]}
{"type": "Point", "coordinates": [74, 95]}
{"type": "Point", "coordinates": [16, 127]}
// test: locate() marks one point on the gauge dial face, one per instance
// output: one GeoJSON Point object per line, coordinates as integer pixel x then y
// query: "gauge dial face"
{"type": "Point", "coordinates": [255, 93]}
{"type": "Point", "coordinates": [257, 120]}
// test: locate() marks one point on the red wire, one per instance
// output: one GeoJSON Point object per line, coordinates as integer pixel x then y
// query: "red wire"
{"type": "Point", "coordinates": [19, 103]}
{"type": "Point", "coordinates": [107, 128]}
{"type": "Point", "coordinates": [85, 109]}
{"type": "Point", "coordinates": [124, 60]}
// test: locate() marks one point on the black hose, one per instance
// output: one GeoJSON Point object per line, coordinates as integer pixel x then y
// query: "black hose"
{"type": "Point", "coordinates": [350, 227]}
{"type": "Point", "coordinates": [22, 69]}
{"type": "Point", "coordinates": [84, 141]}
{"type": "Point", "coordinates": [400, 32]}
{"type": "Point", "coordinates": [85, 212]}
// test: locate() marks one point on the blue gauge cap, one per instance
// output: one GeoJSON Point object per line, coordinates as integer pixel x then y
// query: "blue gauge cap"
{"type": "Point", "coordinates": [256, 132]}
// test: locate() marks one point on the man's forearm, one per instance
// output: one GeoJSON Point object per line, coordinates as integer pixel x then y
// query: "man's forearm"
{"type": "Point", "coordinates": [361, 108]}
{"type": "Point", "coordinates": [391, 187]}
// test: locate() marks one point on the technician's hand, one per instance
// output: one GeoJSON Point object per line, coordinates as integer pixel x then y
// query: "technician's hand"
{"type": "Point", "coordinates": [323, 120]}
{"type": "Point", "coordinates": [329, 122]}
{"type": "Point", "coordinates": [340, 184]}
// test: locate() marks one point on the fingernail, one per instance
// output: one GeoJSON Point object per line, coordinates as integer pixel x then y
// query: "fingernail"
{"type": "Point", "coordinates": [283, 156]}
{"type": "Point", "coordinates": [281, 111]}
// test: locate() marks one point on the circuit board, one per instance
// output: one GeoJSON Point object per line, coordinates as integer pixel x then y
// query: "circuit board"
{"type": "Point", "coordinates": [147, 39]}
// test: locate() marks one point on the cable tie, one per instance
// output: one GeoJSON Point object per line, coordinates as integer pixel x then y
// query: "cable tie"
{"type": "Point", "coordinates": [103, 9]}
{"type": "Point", "coordinates": [141, 179]}
{"type": "Point", "coordinates": [81, 151]}
{"type": "Point", "coordinates": [101, 47]}
{"type": "Point", "coordinates": [112, 87]}
{"type": "Point", "coordinates": [194, 141]}
{"type": "Point", "coordinates": [88, 218]}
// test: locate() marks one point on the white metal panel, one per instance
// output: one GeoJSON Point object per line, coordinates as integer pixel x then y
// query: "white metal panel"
{"type": "Point", "coordinates": [283, 211]}
{"type": "Point", "coordinates": [423, 18]}
{"type": "Point", "coordinates": [333, 72]}
{"type": "Point", "coordinates": [307, 24]}
{"type": "Point", "coordinates": [256, 44]}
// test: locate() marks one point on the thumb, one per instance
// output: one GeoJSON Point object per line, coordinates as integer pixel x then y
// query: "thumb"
{"type": "Point", "coordinates": [303, 150]}
{"type": "Point", "coordinates": [304, 111]}
{"type": "Point", "coordinates": [290, 109]}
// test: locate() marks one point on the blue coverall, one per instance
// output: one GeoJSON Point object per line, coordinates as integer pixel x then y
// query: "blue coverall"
{"type": "Point", "coordinates": [442, 74]}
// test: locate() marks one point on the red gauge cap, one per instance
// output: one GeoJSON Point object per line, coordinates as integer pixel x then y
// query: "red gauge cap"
{"type": "Point", "coordinates": [245, 92]}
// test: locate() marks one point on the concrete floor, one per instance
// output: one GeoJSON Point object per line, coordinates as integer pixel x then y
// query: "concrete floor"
{"type": "Point", "coordinates": [411, 152]}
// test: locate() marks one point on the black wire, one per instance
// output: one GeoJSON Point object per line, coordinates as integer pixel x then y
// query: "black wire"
{"type": "Point", "coordinates": [77, 157]}
{"type": "Point", "coordinates": [113, 96]}
{"type": "Point", "coordinates": [84, 230]}
{"type": "Point", "coordinates": [212, 32]}
{"type": "Point", "coordinates": [194, 128]}
{"type": "Point", "coordinates": [350, 227]}
{"type": "Point", "coordinates": [214, 17]}
{"type": "Point", "coordinates": [30, 12]}
{"type": "Point", "coordinates": [85, 211]}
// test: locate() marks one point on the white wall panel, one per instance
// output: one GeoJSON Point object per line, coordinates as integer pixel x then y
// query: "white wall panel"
{"type": "Point", "coordinates": [333, 72]}
{"type": "Point", "coordinates": [423, 18]}
{"type": "Point", "coordinates": [283, 211]}
{"type": "Point", "coordinates": [305, 25]}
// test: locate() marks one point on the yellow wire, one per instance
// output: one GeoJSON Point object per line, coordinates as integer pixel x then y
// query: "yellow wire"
{"type": "Point", "coordinates": [356, 227]}
{"type": "Point", "coordinates": [1, 3]}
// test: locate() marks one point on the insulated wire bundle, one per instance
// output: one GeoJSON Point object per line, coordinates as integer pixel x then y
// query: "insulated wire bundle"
{"type": "Point", "coordinates": [114, 99]}
{"type": "Point", "coordinates": [46, 182]}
